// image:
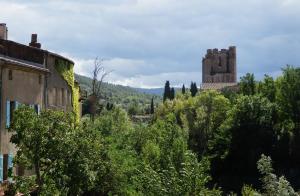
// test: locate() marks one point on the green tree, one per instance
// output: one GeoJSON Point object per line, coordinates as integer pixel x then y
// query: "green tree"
{"type": "Point", "coordinates": [267, 88]}
{"type": "Point", "coordinates": [247, 84]}
{"type": "Point", "coordinates": [208, 114]}
{"type": "Point", "coordinates": [201, 116]}
{"type": "Point", "coordinates": [167, 91]}
{"type": "Point", "coordinates": [193, 89]}
{"type": "Point", "coordinates": [152, 107]}
{"type": "Point", "coordinates": [272, 185]}
{"type": "Point", "coordinates": [65, 158]}
{"type": "Point", "coordinates": [249, 132]}
{"type": "Point", "coordinates": [183, 89]}
{"type": "Point", "coordinates": [169, 167]}
{"type": "Point", "coordinates": [39, 140]}
{"type": "Point", "coordinates": [133, 108]}
{"type": "Point", "coordinates": [288, 101]}
{"type": "Point", "coordinates": [172, 94]}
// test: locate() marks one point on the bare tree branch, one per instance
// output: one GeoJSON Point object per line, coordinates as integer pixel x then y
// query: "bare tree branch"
{"type": "Point", "coordinates": [98, 72]}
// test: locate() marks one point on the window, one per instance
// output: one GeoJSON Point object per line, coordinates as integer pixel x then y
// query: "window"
{"type": "Point", "coordinates": [10, 167]}
{"type": "Point", "coordinates": [63, 96]}
{"type": "Point", "coordinates": [10, 77]}
{"type": "Point", "coordinates": [40, 79]}
{"type": "Point", "coordinates": [11, 109]}
{"type": "Point", "coordinates": [69, 98]}
{"type": "Point", "coordinates": [11, 106]}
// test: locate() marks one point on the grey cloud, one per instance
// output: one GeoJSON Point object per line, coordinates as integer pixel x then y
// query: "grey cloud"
{"type": "Point", "coordinates": [157, 37]}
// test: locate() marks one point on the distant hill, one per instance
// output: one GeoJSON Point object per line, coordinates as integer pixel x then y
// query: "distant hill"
{"type": "Point", "coordinates": [151, 91]}
{"type": "Point", "coordinates": [154, 91]}
{"type": "Point", "coordinates": [122, 95]}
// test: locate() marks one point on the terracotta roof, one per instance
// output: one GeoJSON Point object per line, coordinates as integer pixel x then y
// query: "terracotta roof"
{"type": "Point", "coordinates": [216, 86]}
{"type": "Point", "coordinates": [23, 63]}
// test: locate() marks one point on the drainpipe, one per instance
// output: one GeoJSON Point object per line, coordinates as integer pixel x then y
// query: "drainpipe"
{"type": "Point", "coordinates": [46, 81]}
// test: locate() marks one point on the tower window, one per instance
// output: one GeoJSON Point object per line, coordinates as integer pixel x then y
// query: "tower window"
{"type": "Point", "coordinates": [10, 77]}
{"type": "Point", "coordinates": [40, 79]}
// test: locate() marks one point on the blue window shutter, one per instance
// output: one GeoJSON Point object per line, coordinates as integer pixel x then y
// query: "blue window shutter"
{"type": "Point", "coordinates": [10, 166]}
{"type": "Point", "coordinates": [17, 105]}
{"type": "Point", "coordinates": [1, 168]}
{"type": "Point", "coordinates": [7, 114]}
{"type": "Point", "coordinates": [38, 109]}
{"type": "Point", "coordinates": [10, 160]}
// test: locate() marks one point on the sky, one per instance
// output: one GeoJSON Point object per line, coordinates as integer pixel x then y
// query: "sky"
{"type": "Point", "coordinates": [146, 42]}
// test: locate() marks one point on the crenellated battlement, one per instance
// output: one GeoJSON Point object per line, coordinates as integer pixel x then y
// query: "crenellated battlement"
{"type": "Point", "coordinates": [219, 66]}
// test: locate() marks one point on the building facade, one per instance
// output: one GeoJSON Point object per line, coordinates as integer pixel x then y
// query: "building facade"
{"type": "Point", "coordinates": [35, 77]}
{"type": "Point", "coordinates": [219, 68]}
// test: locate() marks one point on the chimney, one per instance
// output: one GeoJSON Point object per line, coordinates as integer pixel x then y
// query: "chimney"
{"type": "Point", "coordinates": [3, 31]}
{"type": "Point", "coordinates": [34, 42]}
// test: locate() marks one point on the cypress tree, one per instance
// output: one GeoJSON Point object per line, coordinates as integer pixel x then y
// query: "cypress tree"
{"type": "Point", "coordinates": [167, 91]}
{"type": "Point", "coordinates": [152, 106]}
{"type": "Point", "coordinates": [183, 89]}
{"type": "Point", "coordinates": [172, 94]}
{"type": "Point", "coordinates": [193, 89]}
{"type": "Point", "coordinates": [196, 88]}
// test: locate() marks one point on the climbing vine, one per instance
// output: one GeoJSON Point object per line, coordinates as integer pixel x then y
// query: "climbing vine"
{"type": "Point", "coordinates": [66, 70]}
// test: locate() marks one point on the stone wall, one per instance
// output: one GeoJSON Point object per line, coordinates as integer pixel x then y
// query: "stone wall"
{"type": "Point", "coordinates": [219, 66]}
{"type": "Point", "coordinates": [59, 93]}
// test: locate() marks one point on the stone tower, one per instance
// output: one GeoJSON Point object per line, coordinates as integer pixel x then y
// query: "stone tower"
{"type": "Point", "coordinates": [219, 66]}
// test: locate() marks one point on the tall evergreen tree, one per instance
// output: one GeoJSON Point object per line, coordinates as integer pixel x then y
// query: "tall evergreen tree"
{"type": "Point", "coordinates": [183, 89]}
{"type": "Point", "coordinates": [172, 94]}
{"type": "Point", "coordinates": [193, 89]}
{"type": "Point", "coordinates": [167, 91]}
{"type": "Point", "coordinates": [152, 107]}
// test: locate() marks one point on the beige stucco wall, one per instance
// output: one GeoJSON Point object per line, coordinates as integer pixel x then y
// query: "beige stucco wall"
{"type": "Point", "coordinates": [59, 93]}
{"type": "Point", "coordinates": [24, 88]}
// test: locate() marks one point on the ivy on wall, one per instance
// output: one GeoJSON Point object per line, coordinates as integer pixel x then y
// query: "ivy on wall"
{"type": "Point", "coordinates": [66, 70]}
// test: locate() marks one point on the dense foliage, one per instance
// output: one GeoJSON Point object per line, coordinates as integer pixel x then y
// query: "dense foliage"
{"type": "Point", "coordinates": [109, 156]}
{"type": "Point", "coordinates": [66, 70]}
{"type": "Point", "coordinates": [211, 143]}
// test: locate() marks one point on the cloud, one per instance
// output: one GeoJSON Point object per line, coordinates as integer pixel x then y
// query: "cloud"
{"type": "Point", "coordinates": [148, 39]}
{"type": "Point", "coordinates": [155, 81]}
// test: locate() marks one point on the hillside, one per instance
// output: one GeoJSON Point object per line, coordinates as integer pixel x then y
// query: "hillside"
{"type": "Point", "coordinates": [152, 91]}
{"type": "Point", "coordinates": [124, 96]}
